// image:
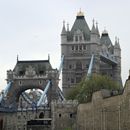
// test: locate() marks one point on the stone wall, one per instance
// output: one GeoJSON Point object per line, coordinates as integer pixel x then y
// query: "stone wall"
{"type": "Point", "coordinates": [111, 113]}
{"type": "Point", "coordinates": [64, 115]}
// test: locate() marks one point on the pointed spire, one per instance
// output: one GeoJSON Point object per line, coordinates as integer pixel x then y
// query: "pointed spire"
{"type": "Point", "coordinates": [93, 30]}
{"type": "Point", "coordinates": [117, 45]}
{"type": "Point", "coordinates": [97, 30]}
{"type": "Point", "coordinates": [17, 57]}
{"type": "Point", "coordinates": [63, 29]}
{"type": "Point", "coordinates": [80, 13]}
{"type": "Point", "coordinates": [67, 27]}
{"type": "Point", "coordinates": [105, 31]}
{"type": "Point", "coordinates": [116, 40]}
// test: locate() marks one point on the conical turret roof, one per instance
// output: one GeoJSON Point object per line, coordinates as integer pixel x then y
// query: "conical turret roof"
{"type": "Point", "coordinates": [80, 24]}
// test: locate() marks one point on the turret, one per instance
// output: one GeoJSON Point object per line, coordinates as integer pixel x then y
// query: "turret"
{"type": "Point", "coordinates": [105, 39]}
{"type": "Point", "coordinates": [95, 37]}
{"type": "Point", "coordinates": [63, 34]}
{"type": "Point", "coordinates": [97, 30]}
{"type": "Point", "coordinates": [117, 50]}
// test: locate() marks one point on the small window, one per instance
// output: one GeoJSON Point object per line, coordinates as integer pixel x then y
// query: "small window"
{"type": "Point", "coordinates": [20, 82]}
{"type": "Point", "coordinates": [41, 72]}
{"type": "Point", "coordinates": [72, 47]}
{"type": "Point", "coordinates": [72, 80]}
{"type": "Point", "coordinates": [70, 66]}
{"type": "Point", "coordinates": [84, 47]}
{"type": "Point", "coordinates": [76, 48]}
{"type": "Point", "coordinates": [78, 79]}
{"type": "Point", "coordinates": [59, 115]}
{"type": "Point", "coordinates": [21, 73]}
{"type": "Point", "coordinates": [71, 115]}
{"type": "Point", "coordinates": [80, 38]}
{"type": "Point", "coordinates": [41, 115]}
{"type": "Point", "coordinates": [40, 82]}
{"type": "Point", "coordinates": [76, 38]}
{"type": "Point", "coordinates": [80, 47]}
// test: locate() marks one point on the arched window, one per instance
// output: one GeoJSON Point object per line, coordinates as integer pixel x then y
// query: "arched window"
{"type": "Point", "coordinates": [76, 38]}
{"type": "Point", "coordinates": [59, 115]}
{"type": "Point", "coordinates": [79, 66]}
{"type": "Point", "coordinates": [41, 115]}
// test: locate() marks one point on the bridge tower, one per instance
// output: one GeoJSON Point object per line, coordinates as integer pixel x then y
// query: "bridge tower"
{"type": "Point", "coordinates": [33, 74]}
{"type": "Point", "coordinates": [78, 44]}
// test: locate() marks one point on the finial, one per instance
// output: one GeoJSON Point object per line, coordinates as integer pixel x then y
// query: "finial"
{"type": "Point", "coordinates": [63, 22]}
{"type": "Point", "coordinates": [96, 24]}
{"type": "Point", "coordinates": [118, 40]}
{"type": "Point", "coordinates": [93, 21]}
{"type": "Point", "coordinates": [67, 26]}
{"type": "Point", "coordinates": [17, 58]}
{"type": "Point", "coordinates": [80, 13]}
{"type": "Point", "coordinates": [105, 31]}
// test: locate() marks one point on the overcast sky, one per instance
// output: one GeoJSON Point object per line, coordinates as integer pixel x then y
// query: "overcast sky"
{"type": "Point", "coordinates": [31, 28]}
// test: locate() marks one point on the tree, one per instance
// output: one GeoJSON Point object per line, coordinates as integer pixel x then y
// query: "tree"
{"type": "Point", "coordinates": [84, 90]}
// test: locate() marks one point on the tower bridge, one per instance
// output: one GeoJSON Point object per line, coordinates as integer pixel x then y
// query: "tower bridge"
{"type": "Point", "coordinates": [83, 52]}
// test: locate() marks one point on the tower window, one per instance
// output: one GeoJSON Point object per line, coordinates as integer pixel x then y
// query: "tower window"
{"type": "Point", "coordinates": [41, 115]}
{"type": "Point", "coordinates": [41, 72]}
{"type": "Point", "coordinates": [78, 79]}
{"type": "Point", "coordinates": [80, 38]}
{"type": "Point", "coordinates": [80, 47]}
{"type": "Point", "coordinates": [78, 66]}
{"type": "Point", "coordinates": [72, 47]}
{"type": "Point", "coordinates": [76, 38]}
{"type": "Point", "coordinates": [71, 115]}
{"type": "Point", "coordinates": [21, 73]}
{"type": "Point", "coordinates": [84, 47]}
{"type": "Point", "coordinates": [76, 47]}
{"type": "Point", "coordinates": [70, 66]}
{"type": "Point", "coordinates": [72, 80]}
{"type": "Point", "coordinates": [59, 115]}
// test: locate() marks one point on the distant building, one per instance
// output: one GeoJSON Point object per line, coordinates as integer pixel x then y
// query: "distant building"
{"type": "Point", "coordinates": [79, 44]}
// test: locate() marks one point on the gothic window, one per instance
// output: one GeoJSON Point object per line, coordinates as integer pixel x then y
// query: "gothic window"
{"type": "Point", "coordinates": [76, 47]}
{"type": "Point", "coordinates": [70, 66]}
{"type": "Point", "coordinates": [41, 115]}
{"type": "Point", "coordinates": [20, 82]}
{"type": "Point", "coordinates": [78, 65]}
{"type": "Point", "coordinates": [72, 80]}
{"type": "Point", "coordinates": [41, 72]}
{"type": "Point", "coordinates": [78, 79]}
{"type": "Point", "coordinates": [72, 47]}
{"type": "Point", "coordinates": [21, 73]}
{"type": "Point", "coordinates": [76, 38]}
{"type": "Point", "coordinates": [84, 47]}
{"type": "Point", "coordinates": [59, 115]}
{"type": "Point", "coordinates": [80, 47]}
{"type": "Point", "coordinates": [71, 115]}
{"type": "Point", "coordinates": [80, 38]}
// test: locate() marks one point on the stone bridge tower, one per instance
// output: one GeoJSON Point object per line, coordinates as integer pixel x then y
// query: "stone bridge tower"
{"type": "Point", "coordinates": [78, 45]}
{"type": "Point", "coordinates": [33, 74]}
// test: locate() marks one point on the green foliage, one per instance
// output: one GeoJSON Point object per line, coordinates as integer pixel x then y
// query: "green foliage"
{"type": "Point", "coordinates": [84, 90]}
{"type": "Point", "coordinates": [67, 129]}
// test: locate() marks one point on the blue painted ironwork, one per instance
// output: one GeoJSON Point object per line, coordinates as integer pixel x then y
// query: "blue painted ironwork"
{"type": "Point", "coordinates": [90, 66]}
{"type": "Point", "coordinates": [5, 91]}
{"type": "Point", "coordinates": [44, 93]}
